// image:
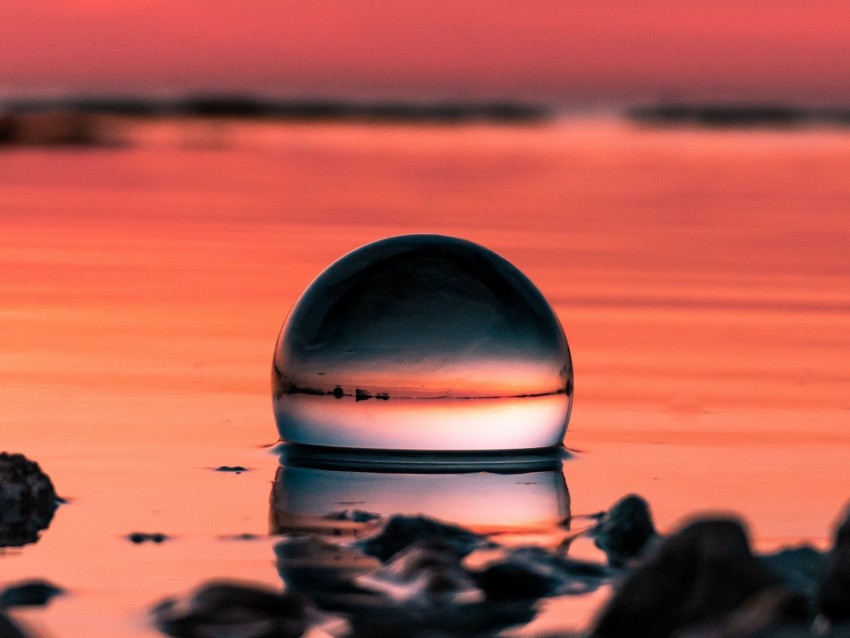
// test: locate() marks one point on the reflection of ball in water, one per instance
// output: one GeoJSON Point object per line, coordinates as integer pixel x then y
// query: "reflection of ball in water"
{"type": "Point", "coordinates": [422, 342]}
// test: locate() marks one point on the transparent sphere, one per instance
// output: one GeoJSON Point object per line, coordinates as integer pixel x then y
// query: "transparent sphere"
{"type": "Point", "coordinates": [422, 343]}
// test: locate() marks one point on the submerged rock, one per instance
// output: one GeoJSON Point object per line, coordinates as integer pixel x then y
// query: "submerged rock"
{"type": "Point", "coordinates": [226, 609]}
{"type": "Point", "coordinates": [625, 531]}
{"type": "Point", "coordinates": [27, 500]}
{"type": "Point", "coordinates": [697, 575]}
{"type": "Point", "coordinates": [402, 531]}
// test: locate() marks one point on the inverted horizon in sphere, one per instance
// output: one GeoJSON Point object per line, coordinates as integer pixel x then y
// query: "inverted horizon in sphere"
{"type": "Point", "coordinates": [422, 342]}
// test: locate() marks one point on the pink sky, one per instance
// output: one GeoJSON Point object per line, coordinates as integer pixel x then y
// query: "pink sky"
{"type": "Point", "coordinates": [562, 50]}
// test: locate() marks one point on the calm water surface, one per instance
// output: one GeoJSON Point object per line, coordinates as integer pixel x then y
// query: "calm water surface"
{"type": "Point", "coordinates": [702, 279]}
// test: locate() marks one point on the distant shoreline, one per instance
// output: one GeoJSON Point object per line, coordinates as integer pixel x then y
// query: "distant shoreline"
{"type": "Point", "coordinates": [90, 121]}
{"type": "Point", "coordinates": [102, 121]}
{"type": "Point", "coordinates": [246, 106]}
{"type": "Point", "coordinates": [249, 107]}
{"type": "Point", "coordinates": [722, 115]}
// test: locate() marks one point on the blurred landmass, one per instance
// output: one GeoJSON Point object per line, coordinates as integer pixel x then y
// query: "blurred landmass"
{"type": "Point", "coordinates": [95, 121]}
{"type": "Point", "coordinates": [99, 121]}
{"type": "Point", "coordinates": [722, 115]}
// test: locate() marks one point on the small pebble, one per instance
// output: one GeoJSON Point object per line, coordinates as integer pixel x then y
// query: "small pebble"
{"type": "Point", "coordinates": [145, 537]}
{"type": "Point", "coordinates": [245, 536]}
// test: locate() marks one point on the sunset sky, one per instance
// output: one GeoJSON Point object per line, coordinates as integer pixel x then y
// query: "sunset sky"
{"type": "Point", "coordinates": [561, 51]}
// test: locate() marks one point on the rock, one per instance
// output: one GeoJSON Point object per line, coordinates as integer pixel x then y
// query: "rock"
{"type": "Point", "coordinates": [697, 575]}
{"type": "Point", "coordinates": [421, 591]}
{"type": "Point", "coordinates": [9, 628]}
{"type": "Point", "coordinates": [402, 531]}
{"type": "Point", "coordinates": [798, 569]}
{"type": "Point", "coordinates": [426, 574]}
{"type": "Point", "coordinates": [769, 610]}
{"type": "Point", "coordinates": [785, 631]}
{"type": "Point", "coordinates": [323, 571]}
{"type": "Point", "coordinates": [840, 630]}
{"type": "Point", "coordinates": [514, 581]}
{"type": "Point", "coordinates": [533, 572]}
{"type": "Point", "coordinates": [625, 531]}
{"type": "Point", "coordinates": [225, 609]}
{"type": "Point", "coordinates": [31, 593]}
{"type": "Point", "coordinates": [27, 500]}
{"type": "Point", "coordinates": [833, 595]}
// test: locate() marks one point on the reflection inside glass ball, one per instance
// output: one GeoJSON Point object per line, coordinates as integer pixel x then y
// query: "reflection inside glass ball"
{"type": "Point", "coordinates": [422, 342]}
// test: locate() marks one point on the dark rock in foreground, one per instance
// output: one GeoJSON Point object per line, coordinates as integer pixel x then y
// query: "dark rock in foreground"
{"type": "Point", "coordinates": [402, 531]}
{"type": "Point", "coordinates": [10, 629]}
{"type": "Point", "coordinates": [27, 500]}
{"type": "Point", "coordinates": [427, 574]}
{"type": "Point", "coordinates": [833, 597]}
{"type": "Point", "coordinates": [514, 581]}
{"type": "Point", "coordinates": [33, 593]}
{"type": "Point", "coordinates": [770, 610]}
{"type": "Point", "coordinates": [534, 572]}
{"type": "Point", "coordinates": [697, 575]}
{"type": "Point", "coordinates": [422, 590]}
{"type": "Point", "coordinates": [625, 531]}
{"type": "Point", "coordinates": [224, 610]}
{"type": "Point", "coordinates": [798, 569]}
{"type": "Point", "coordinates": [323, 571]}
{"type": "Point", "coordinates": [413, 579]}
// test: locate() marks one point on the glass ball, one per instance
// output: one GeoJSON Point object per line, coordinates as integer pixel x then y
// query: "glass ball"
{"type": "Point", "coordinates": [422, 343]}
